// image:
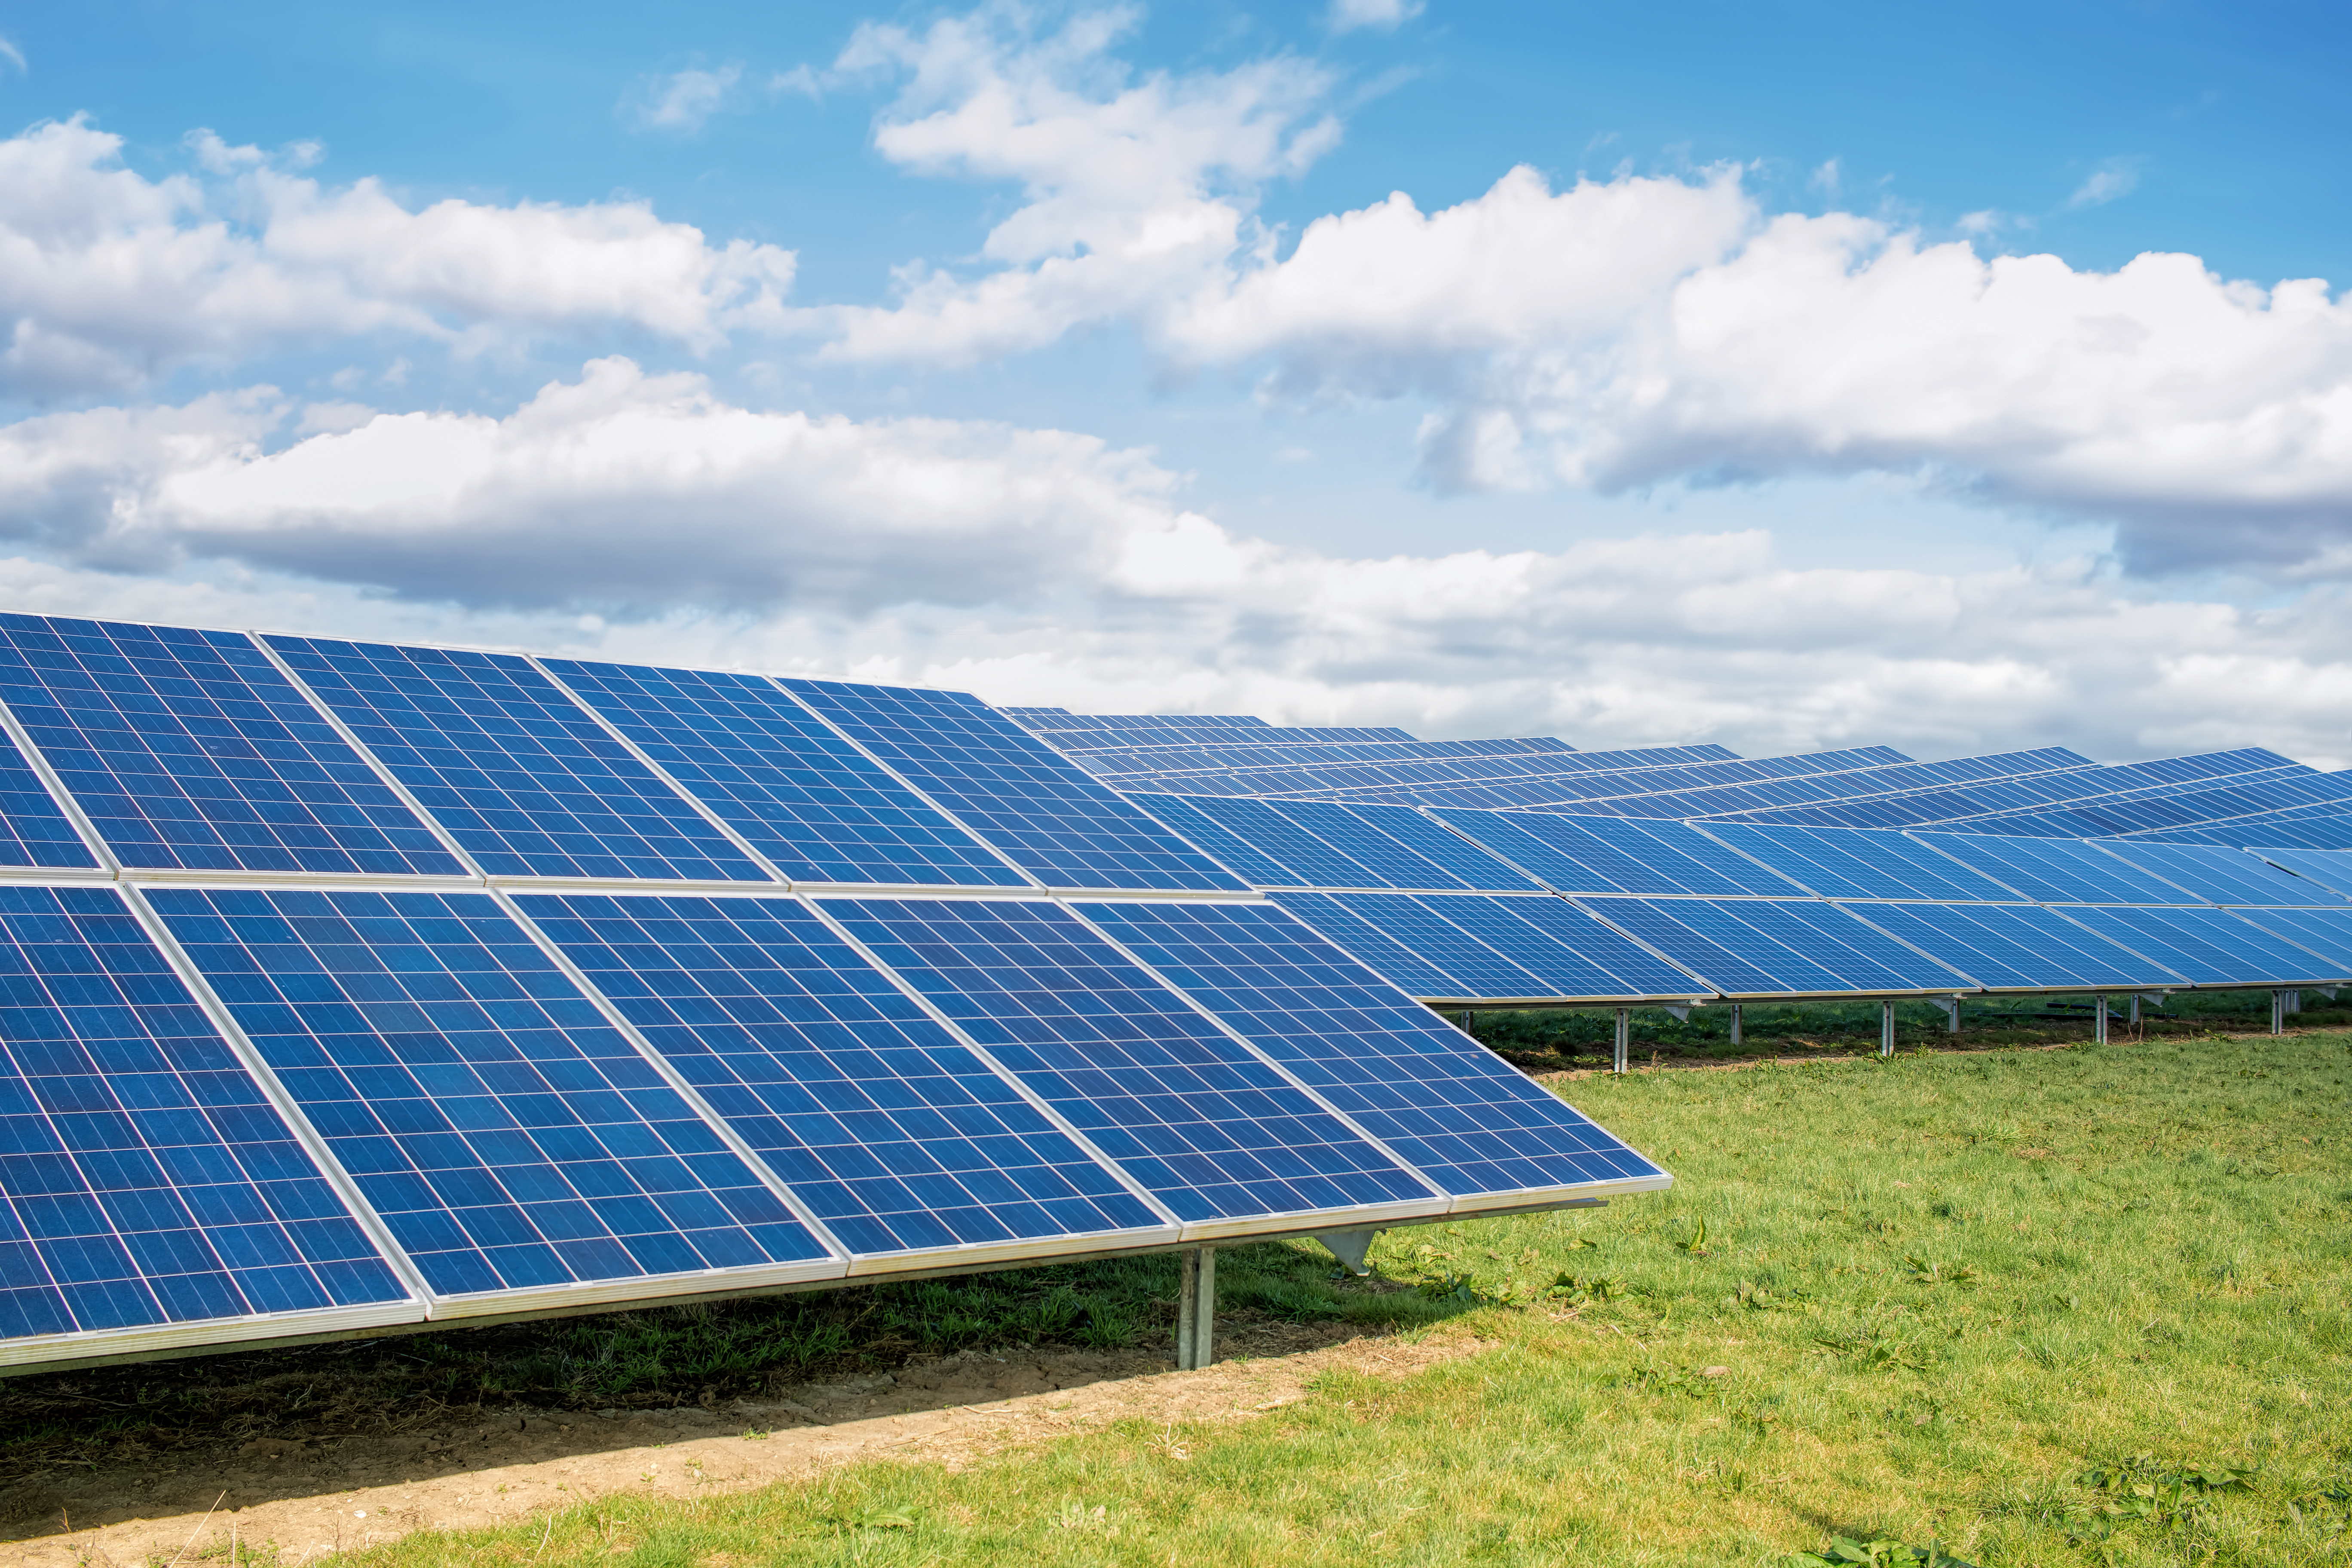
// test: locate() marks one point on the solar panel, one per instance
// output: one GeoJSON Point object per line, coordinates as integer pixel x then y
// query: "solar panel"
{"type": "Point", "coordinates": [897, 1135]}
{"type": "Point", "coordinates": [818, 808]}
{"type": "Point", "coordinates": [1860, 863]}
{"type": "Point", "coordinates": [1182, 815]}
{"type": "Point", "coordinates": [1461, 1116]}
{"type": "Point", "coordinates": [2330, 869]}
{"type": "Point", "coordinates": [2328, 932]}
{"type": "Point", "coordinates": [527, 784]}
{"type": "Point", "coordinates": [1414, 971]}
{"type": "Point", "coordinates": [34, 830]}
{"type": "Point", "coordinates": [1203, 1123]}
{"type": "Point", "coordinates": [1758, 947]}
{"type": "Point", "coordinates": [1467, 865]}
{"type": "Point", "coordinates": [1617, 855]}
{"type": "Point", "coordinates": [1474, 969]}
{"type": "Point", "coordinates": [516, 1145]}
{"type": "Point", "coordinates": [1304, 857]}
{"type": "Point", "coordinates": [1012, 790]}
{"type": "Point", "coordinates": [2209, 947]}
{"type": "Point", "coordinates": [2223, 876]}
{"type": "Point", "coordinates": [1570, 955]}
{"type": "Point", "coordinates": [145, 1180]}
{"type": "Point", "coordinates": [2056, 870]}
{"type": "Point", "coordinates": [2015, 947]}
{"type": "Point", "coordinates": [189, 750]}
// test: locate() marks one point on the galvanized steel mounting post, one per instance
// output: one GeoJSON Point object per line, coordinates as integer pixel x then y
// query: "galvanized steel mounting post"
{"type": "Point", "coordinates": [1196, 1309]}
{"type": "Point", "coordinates": [2099, 1018]}
{"type": "Point", "coordinates": [1625, 1038]}
{"type": "Point", "coordinates": [1735, 1023]}
{"type": "Point", "coordinates": [1886, 1028]}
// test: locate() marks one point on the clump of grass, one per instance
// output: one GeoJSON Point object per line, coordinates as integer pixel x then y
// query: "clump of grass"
{"type": "Point", "coordinates": [2081, 1307]}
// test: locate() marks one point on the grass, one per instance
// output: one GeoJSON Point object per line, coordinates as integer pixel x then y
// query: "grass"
{"type": "Point", "coordinates": [2086, 1306]}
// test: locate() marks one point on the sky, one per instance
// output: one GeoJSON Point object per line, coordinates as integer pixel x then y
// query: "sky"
{"type": "Point", "coordinates": [1786, 377]}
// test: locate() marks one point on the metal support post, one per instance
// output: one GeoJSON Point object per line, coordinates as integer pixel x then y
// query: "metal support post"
{"type": "Point", "coordinates": [1625, 1036]}
{"type": "Point", "coordinates": [2278, 1011]}
{"type": "Point", "coordinates": [2135, 1012]}
{"type": "Point", "coordinates": [1952, 1007]}
{"type": "Point", "coordinates": [2099, 1019]}
{"type": "Point", "coordinates": [2294, 1001]}
{"type": "Point", "coordinates": [1735, 1023]}
{"type": "Point", "coordinates": [1886, 1028]}
{"type": "Point", "coordinates": [1196, 1309]}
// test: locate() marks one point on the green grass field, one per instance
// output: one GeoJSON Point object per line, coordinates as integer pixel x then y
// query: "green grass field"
{"type": "Point", "coordinates": [2074, 1306]}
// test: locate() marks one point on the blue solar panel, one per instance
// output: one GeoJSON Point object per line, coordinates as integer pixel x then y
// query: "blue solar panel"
{"type": "Point", "coordinates": [1012, 790]}
{"type": "Point", "coordinates": [1435, 1095]}
{"type": "Point", "coordinates": [2016, 947]}
{"type": "Point", "coordinates": [33, 830]}
{"type": "Point", "coordinates": [526, 782]}
{"type": "Point", "coordinates": [1503, 948]}
{"type": "Point", "coordinates": [1410, 969]}
{"type": "Point", "coordinates": [189, 751]}
{"type": "Point", "coordinates": [1306, 859]}
{"type": "Point", "coordinates": [1617, 855]}
{"type": "Point", "coordinates": [1475, 968]}
{"type": "Point", "coordinates": [894, 1134]}
{"type": "Point", "coordinates": [2330, 869]}
{"type": "Point", "coordinates": [1198, 1119]}
{"type": "Point", "coordinates": [1459, 862]}
{"type": "Point", "coordinates": [2328, 932]}
{"type": "Point", "coordinates": [1859, 863]}
{"type": "Point", "coordinates": [798, 793]}
{"type": "Point", "coordinates": [2223, 876]}
{"type": "Point", "coordinates": [1783, 947]}
{"type": "Point", "coordinates": [1182, 815]}
{"type": "Point", "coordinates": [2209, 947]}
{"type": "Point", "coordinates": [144, 1179]}
{"type": "Point", "coordinates": [507, 1134]}
{"type": "Point", "coordinates": [2056, 870]}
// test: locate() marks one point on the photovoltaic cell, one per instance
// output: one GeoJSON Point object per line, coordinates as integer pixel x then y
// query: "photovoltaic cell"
{"type": "Point", "coordinates": [2056, 870]}
{"type": "Point", "coordinates": [1412, 971]}
{"type": "Point", "coordinates": [526, 782]}
{"type": "Point", "coordinates": [1763, 947]}
{"type": "Point", "coordinates": [144, 1179]}
{"type": "Point", "coordinates": [2224, 876]}
{"type": "Point", "coordinates": [1474, 966]}
{"type": "Point", "coordinates": [797, 792]}
{"type": "Point", "coordinates": [2016, 947]}
{"type": "Point", "coordinates": [33, 830]}
{"type": "Point", "coordinates": [2208, 946]}
{"type": "Point", "coordinates": [2331, 868]}
{"type": "Point", "coordinates": [1014, 790]}
{"type": "Point", "coordinates": [1201, 1122]}
{"type": "Point", "coordinates": [1182, 815]}
{"type": "Point", "coordinates": [1571, 954]}
{"type": "Point", "coordinates": [507, 1134]}
{"type": "Point", "coordinates": [1431, 840]}
{"type": "Point", "coordinates": [893, 1132]}
{"type": "Point", "coordinates": [2328, 932]}
{"type": "Point", "coordinates": [189, 751]}
{"type": "Point", "coordinates": [1307, 858]}
{"type": "Point", "coordinates": [1441, 1100]}
{"type": "Point", "coordinates": [1618, 854]}
{"type": "Point", "coordinates": [1861, 863]}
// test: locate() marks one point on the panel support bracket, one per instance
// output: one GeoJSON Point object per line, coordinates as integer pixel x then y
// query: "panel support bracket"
{"type": "Point", "coordinates": [1352, 1248]}
{"type": "Point", "coordinates": [1196, 1309]}
{"type": "Point", "coordinates": [1952, 1007]}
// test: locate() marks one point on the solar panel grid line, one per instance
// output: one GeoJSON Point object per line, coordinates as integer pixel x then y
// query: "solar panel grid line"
{"type": "Point", "coordinates": [1029, 878]}
{"type": "Point", "coordinates": [1277, 1066]}
{"type": "Point", "coordinates": [1230, 1145]}
{"type": "Point", "coordinates": [668, 1070]}
{"type": "Point", "coordinates": [92, 841]}
{"type": "Point", "coordinates": [541, 1161]}
{"type": "Point", "coordinates": [366, 755]}
{"type": "Point", "coordinates": [722, 825]}
{"type": "Point", "coordinates": [282, 1099]}
{"type": "Point", "coordinates": [987, 1059]}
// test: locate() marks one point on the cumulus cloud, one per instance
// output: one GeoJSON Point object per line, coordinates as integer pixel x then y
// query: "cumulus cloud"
{"type": "Point", "coordinates": [643, 516]}
{"type": "Point", "coordinates": [1618, 333]}
{"type": "Point", "coordinates": [108, 276]}
{"type": "Point", "coordinates": [1136, 190]}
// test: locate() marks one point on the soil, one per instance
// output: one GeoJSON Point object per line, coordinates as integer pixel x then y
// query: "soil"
{"type": "Point", "coordinates": [314, 1491]}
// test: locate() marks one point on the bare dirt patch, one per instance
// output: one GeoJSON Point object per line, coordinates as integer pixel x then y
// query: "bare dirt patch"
{"type": "Point", "coordinates": [316, 1493]}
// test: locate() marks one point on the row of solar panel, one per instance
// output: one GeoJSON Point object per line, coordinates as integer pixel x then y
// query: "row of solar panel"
{"type": "Point", "coordinates": [239, 1112]}
{"type": "Point", "coordinates": [2300, 833]}
{"type": "Point", "coordinates": [1328, 846]}
{"type": "Point", "coordinates": [195, 751]}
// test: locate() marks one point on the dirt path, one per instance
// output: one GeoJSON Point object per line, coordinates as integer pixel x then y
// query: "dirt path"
{"type": "Point", "coordinates": [312, 1496]}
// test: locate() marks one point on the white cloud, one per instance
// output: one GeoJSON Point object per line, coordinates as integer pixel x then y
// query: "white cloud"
{"type": "Point", "coordinates": [107, 276]}
{"type": "Point", "coordinates": [2114, 178]}
{"type": "Point", "coordinates": [14, 55]}
{"type": "Point", "coordinates": [686, 100]}
{"type": "Point", "coordinates": [1383, 16]}
{"type": "Point", "coordinates": [1137, 191]}
{"type": "Point", "coordinates": [643, 516]}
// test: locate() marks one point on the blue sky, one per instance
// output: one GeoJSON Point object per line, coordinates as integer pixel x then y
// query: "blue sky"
{"type": "Point", "coordinates": [1786, 377]}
